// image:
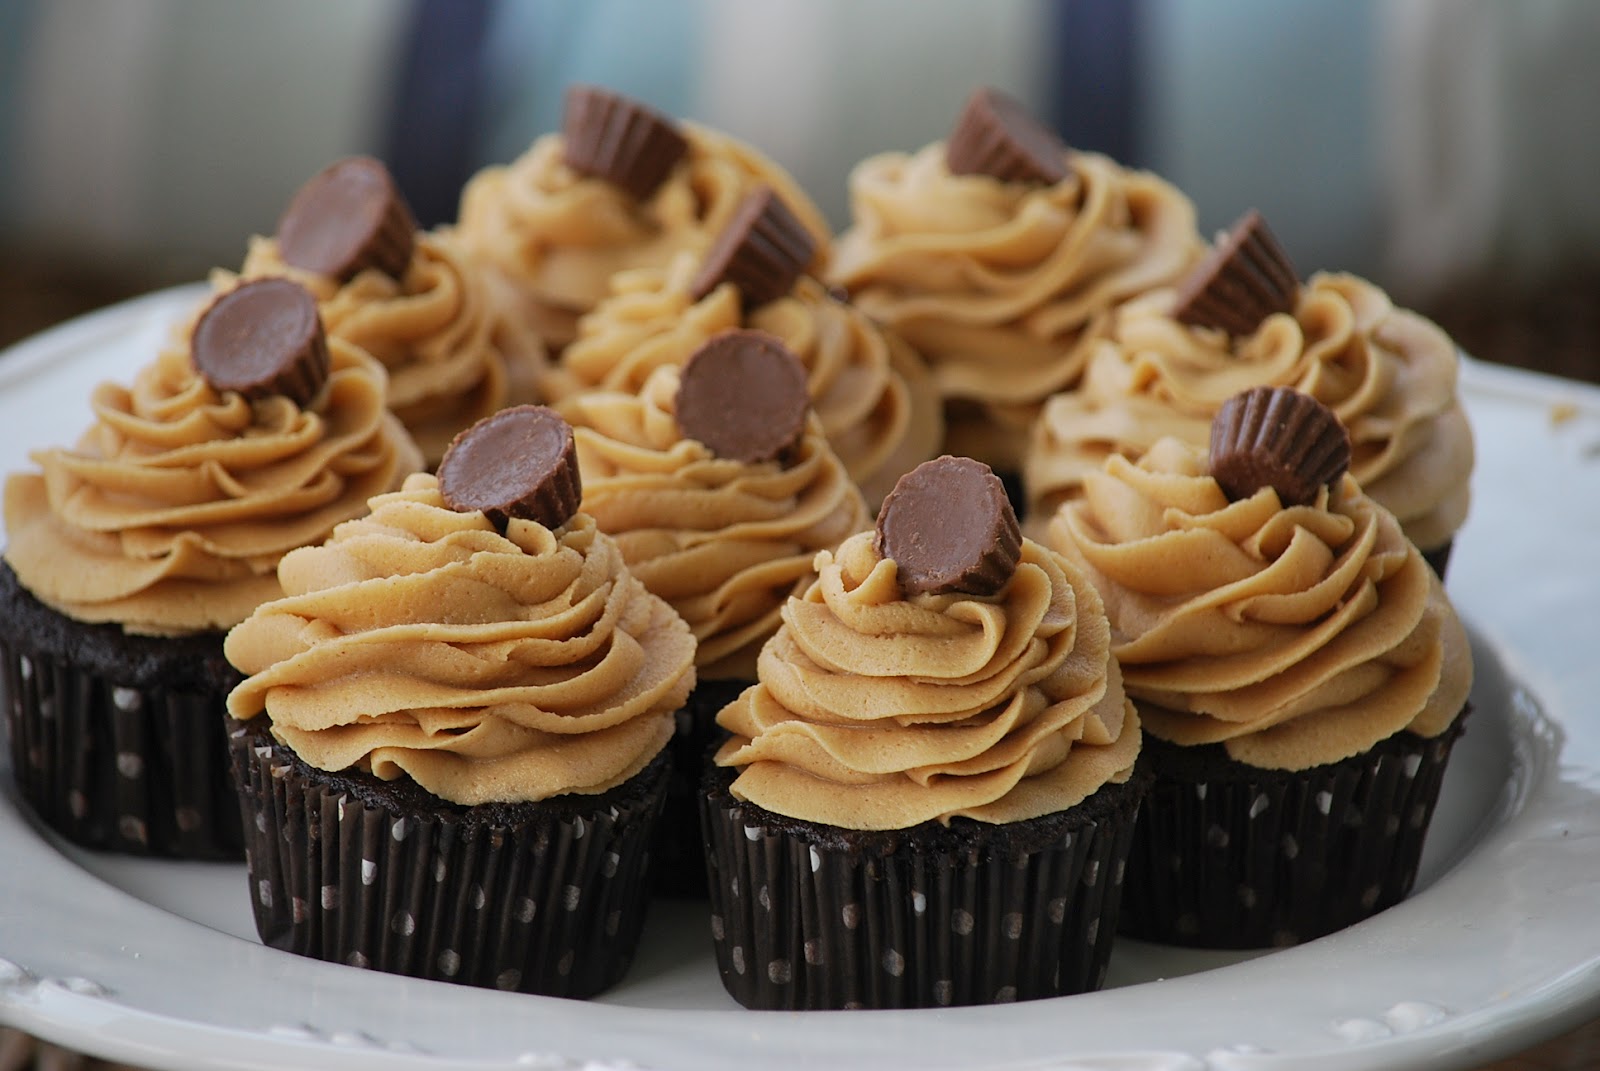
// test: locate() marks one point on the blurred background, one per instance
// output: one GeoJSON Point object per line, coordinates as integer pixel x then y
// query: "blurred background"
{"type": "Point", "coordinates": [1443, 148]}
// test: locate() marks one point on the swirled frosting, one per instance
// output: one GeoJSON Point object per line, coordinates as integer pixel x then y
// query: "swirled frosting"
{"type": "Point", "coordinates": [171, 513]}
{"type": "Point", "coordinates": [419, 641]}
{"type": "Point", "coordinates": [1296, 637]}
{"type": "Point", "coordinates": [453, 347]}
{"type": "Point", "coordinates": [1388, 374]}
{"type": "Point", "coordinates": [874, 397]}
{"type": "Point", "coordinates": [998, 284]}
{"type": "Point", "coordinates": [878, 711]}
{"type": "Point", "coordinates": [724, 542]}
{"type": "Point", "coordinates": [559, 237]}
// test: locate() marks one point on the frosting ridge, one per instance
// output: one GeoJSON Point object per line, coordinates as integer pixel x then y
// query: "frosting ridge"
{"type": "Point", "coordinates": [558, 236]}
{"type": "Point", "coordinates": [998, 284]}
{"type": "Point", "coordinates": [723, 541]}
{"type": "Point", "coordinates": [878, 711]}
{"type": "Point", "coordinates": [1295, 636]}
{"type": "Point", "coordinates": [487, 667]}
{"type": "Point", "coordinates": [172, 511]}
{"type": "Point", "coordinates": [874, 396]}
{"type": "Point", "coordinates": [443, 330]}
{"type": "Point", "coordinates": [1388, 374]}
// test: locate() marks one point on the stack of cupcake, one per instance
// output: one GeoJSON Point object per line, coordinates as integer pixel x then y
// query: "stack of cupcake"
{"type": "Point", "coordinates": [717, 586]}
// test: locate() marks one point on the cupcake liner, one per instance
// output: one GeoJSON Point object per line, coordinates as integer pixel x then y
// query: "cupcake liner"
{"type": "Point", "coordinates": [104, 751]}
{"type": "Point", "coordinates": [677, 850]}
{"type": "Point", "coordinates": [543, 897]}
{"type": "Point", "coordinates": [1229, 856]}
{"type": "Point", "coordinates": [807, 916]}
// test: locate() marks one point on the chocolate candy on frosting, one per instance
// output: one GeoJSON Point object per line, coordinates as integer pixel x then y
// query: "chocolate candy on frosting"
{"type": "Point", "coordinates": [349, 217]}
{"type": "Point", "coordinates": [610, 137]}
{"type": "Point", "coordinates": [996, 136]}
{"type": "Point", "coordinates": [743, 394]}
{"type": "Point", "coordinates": [949, 527]}
{"type": "Point", "coordinates": [520, 462]}
{"type": "Point", "coordinates": [1279, 438]}
{"type": "Point", "coordinates": [762, 251]}
{"type": "Point", "coordinates": [262, 338]}
{"type": "Point", "coordinates": [1245, 279]}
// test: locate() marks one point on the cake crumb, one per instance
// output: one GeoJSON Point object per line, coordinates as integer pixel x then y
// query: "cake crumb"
{"type": "Point", "coordinates": [1561, 413]}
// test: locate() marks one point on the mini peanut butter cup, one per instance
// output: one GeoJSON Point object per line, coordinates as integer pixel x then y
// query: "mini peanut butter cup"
{"type": "Point", "coordinates": [262, 338]}
{"type": "Point", "coordinates": [762, 251]}
{"type": "Point", "coordinates": [996, 136]}
{"type": "Point", "coordinates": [949, 527]}
{"type": "Point", "coordinates": [618, 140]}
{"type": "Point", "coordinates": [743, 394]}
{"type": "Point", "coordinates": [1279, 438]}
{"type": "Point", "coordinates": [1245, 279]}
{"type": "Point", "coordinates": [519, 462]}
{"type": "Point", "coordinates": [348, 217]}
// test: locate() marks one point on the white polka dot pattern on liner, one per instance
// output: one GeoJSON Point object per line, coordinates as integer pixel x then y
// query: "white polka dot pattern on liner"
{"type": "Point", "coordinates": [894, 964]}
{"type": "Point", "coordinates": [779, 972]}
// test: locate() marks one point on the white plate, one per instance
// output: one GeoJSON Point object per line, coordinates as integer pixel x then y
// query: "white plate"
{"type": "Point", "coordinates": [157, 962]}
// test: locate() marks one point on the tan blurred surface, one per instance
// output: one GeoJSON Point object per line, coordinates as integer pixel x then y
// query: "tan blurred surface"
{"type": "Point", "coordinates": [1555, 330]}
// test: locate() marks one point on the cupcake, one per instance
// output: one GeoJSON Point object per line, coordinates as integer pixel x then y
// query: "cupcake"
{"type": "Point", "coordinates": [719, 487]}
{"type": "Point", "coordinates": [928, 797]}
{"type": "Point", "coordinates": [443, 327]}
{"type": "Point", "coordinates": [131, 554]}
{"type": "Point", "coordinates": [1299, 673]}
{"type": "Point", "coordinates": [870, 390]}
{"type": "Point", "coordinates": [621, 186]}
{"type": "Point", "coordinates": [996, 253]}
{"type": "Point", "coordinates": [450, 745]}
{"type": "Point", "coordinates": [1172, 358]}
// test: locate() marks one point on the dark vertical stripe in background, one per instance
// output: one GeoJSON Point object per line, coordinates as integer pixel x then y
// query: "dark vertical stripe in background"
{"type": "Point", "coordinates": [437, 105]}
{"type": "Point", "coordinates": [1090, 91]}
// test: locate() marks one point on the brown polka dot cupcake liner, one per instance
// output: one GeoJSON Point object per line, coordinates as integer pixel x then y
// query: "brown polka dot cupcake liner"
{"type": "Point", "coordinates": [1231, 856]}
{"type": "Point", "coordinates": [805, 916]}
{"type": "Point", "coordinates": [677, 854]}
{"type": "Point", "coordinates": [116, 741]}
{"type": "Point", "coordinates": [545, 897]}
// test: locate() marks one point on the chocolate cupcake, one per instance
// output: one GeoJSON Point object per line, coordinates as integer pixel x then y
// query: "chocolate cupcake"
{"type": "Point", "coordinates": [443, 326]}
{"type": "Point", "coordinates": [719, 487]}
{"type": "Point", "coordinates": [870, 390]}
{"type": "Point", "coordinates": [928, 797]}
{"type": "Point", "coordinates": [131, 554]}
{"type": "Point", "coordinates": [619, 187]}
{"type": "Point", "coordinates": [996, 254]}
{"type": "Point", "coordinates": [1242, 319]}
{"type": "Point", "coordinates": [1298, 670]}
{"type": "Point", "coordinates": [450, 746]}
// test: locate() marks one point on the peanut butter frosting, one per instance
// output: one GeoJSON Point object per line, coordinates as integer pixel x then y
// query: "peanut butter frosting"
{"type": "Point", "coordinates": [880, 711]}
{"type": "Point", "coordinates": [1387, 373]}
{"type": "Point", "coordinates": [559, 237]}
{"type": "Point", "coordinates": [998, 284]}
{"type": "Point", "coordinates": [171, 513]}
{"type": "Point", "coordinates": [723, 541]}
{"type": "Point", "coordinates": [446, 332]}
{"type": "Point", "coordinates": [1296, 637]}
{"type": "Point", "coordinates": [421, 642]}
{"type": "Point", "coordinates": [876, 401]}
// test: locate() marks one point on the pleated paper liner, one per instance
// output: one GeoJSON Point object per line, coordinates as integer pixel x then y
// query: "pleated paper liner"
{"type": "Point", "coordinates": [677, 852]}
{"type": "Point", "coordinates": [805, 916]}
{"type": "Point", "coordinates": [116, 740]}
{"type": "Point", "coordinates": [545, 897]}
{"type": "Point", "coordinates": [1231, 856]}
